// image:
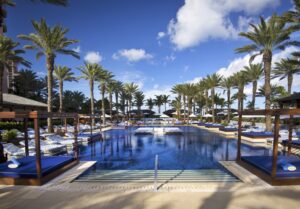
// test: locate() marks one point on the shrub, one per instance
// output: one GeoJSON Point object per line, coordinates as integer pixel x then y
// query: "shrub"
{"type": "Point", "coordinates": [8, 135]}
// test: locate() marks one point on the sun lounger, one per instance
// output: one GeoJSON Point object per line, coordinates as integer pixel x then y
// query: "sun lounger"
{"type": "Point", "coordinates": [13, 150]}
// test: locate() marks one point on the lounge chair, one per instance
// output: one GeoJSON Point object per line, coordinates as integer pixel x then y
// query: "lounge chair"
{"type": "Point", "coordinates": [13, 150]}
{"type": "Point", "coordinates": [47, 149]}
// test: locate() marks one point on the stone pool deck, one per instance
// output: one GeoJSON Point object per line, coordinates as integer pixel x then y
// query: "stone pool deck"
{"type": "Point", "coordinates": [62, 193]}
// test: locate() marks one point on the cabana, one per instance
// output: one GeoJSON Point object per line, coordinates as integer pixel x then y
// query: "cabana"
{"type": "Point", "coordinates": [39, 169]}
{"type": "Point", "coordinates": [272, 169]}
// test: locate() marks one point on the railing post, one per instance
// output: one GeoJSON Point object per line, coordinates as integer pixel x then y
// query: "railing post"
{"type": "Point", "coordinates": [155, 172]}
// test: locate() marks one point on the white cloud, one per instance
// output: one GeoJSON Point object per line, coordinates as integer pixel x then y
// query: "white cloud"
{"type": "Point", "coordinates": [186, 68]}
{"type": "Point", "coordinates": [93, 57]}
{"type": "Point", "coordinates": [132, 55]}
{"type": "Point", "coordinates": [196, 21]}
{"type": "Point", "coordinates": [160, 35]}
{"type": "Point", "coordinates": [136, 77]}
{"type": "Point", "coordinates": [77, 49]}
{"type": "Point", "coordinates": [194, 80]}
{"type": "Point", "coordinates": [170, 58]}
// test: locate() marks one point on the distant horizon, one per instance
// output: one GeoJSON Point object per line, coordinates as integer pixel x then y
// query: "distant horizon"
{"type": "Point", "coordinates": [153, 43]}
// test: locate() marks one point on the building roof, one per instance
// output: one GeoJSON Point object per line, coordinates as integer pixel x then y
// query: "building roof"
{"type": "Point", "coordinates": [292, 99]}
{"type": "Point", "coordinates": [11, 99]}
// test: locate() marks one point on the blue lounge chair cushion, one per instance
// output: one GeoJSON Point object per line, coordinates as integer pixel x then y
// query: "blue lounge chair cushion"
{"type": "Point", "coordinates": [228, 129]}
{"type": "Point", "coordinates": [257, 134]}
{"type": "Point", "coordinates": [264, 163]}
{"type": "Point", "coordinates": [27, 168]}
{"type": "Point", "coordinates": [294, 142]}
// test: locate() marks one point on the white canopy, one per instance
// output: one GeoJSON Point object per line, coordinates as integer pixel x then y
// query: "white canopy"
{"type": "Point", "coordinates": [207, 116]}
{"type": "Point", "coordinates": [106, 116]}
{"type": "Point", "coordinates": [193, 116]}
{"type": "Point", "coordinates": [164, 116]}
{"type": "Point", "coordinates": [288, 116]}
{"type": "Point", "coordinates": [252, 116]}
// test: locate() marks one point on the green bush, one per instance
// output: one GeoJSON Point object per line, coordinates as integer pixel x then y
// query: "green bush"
{"type": "Point", "coordinates": [8, 135]}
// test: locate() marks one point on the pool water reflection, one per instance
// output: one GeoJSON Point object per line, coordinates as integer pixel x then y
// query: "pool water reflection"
{"type": "Point", "coordinates": [194, 149]}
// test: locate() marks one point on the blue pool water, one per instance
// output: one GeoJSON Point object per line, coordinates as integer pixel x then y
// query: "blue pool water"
{"type": "Point", "coordinates": [194, 149]}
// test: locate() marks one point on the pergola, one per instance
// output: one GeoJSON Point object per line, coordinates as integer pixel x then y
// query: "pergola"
{"type": "Point", "coordinates": [36, 116]}
{"type": "Point", "coordinates": [272, 178]}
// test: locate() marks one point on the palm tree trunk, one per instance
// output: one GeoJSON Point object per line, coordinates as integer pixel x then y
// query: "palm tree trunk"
{"type": "Point", "coordinates": [165, 107]}
{"type": "Point", "coordinates": [129, 105]}
{"type": "Point", "coordinates": [213, 103]}
{"type": "Point", "coordinates": [179, 113]}
{"type": "Point", "coordinates": [267, 59]}
{"type": "Point", "coordinates": [117, 105]}
{"type": "Point", "coordinates": [184, 107]}
{"type": "Point", "coordinates": [254, 87]}
{"type": "Point", "coordinates": [92, 101]}
{"type": "Point", "coordinates": [61, 96]}
{"type": "Point", "coordinates": [228, 105]}
{"type": "Point", "coordinates": [290, 82]}
{"type": "Point", "coordinates": [103, 104]}
{"type": "Point", "coordinates": [1, 21]}
{"type": "Point", "coordinates": [206, 101]}
{"type": "Point", "coordinates": [1, 87]}
{"type": "Point", "coordinates": [50, 67]}
{"type": "Point", "coordinates": [110, 105]}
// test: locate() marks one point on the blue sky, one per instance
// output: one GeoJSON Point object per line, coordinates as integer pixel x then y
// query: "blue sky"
{"type": "Point", "coordinates": [152, 42]}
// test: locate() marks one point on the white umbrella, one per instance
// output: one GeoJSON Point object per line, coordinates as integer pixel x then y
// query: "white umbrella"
{"type": "Point", "coordinates": [252, 116]}
{"type": "Point", "coordinates": [106, 116]}
{"type": "Point", "coordinates": [193, 116]}
{"type": "Point", "coordinates": [164, 116]}
{"type": "Point", "coordinates": [207, 116]}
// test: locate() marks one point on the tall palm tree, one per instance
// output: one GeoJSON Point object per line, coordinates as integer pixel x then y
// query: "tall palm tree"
{"type": "Point", "coordinates": [176, 103]}
{"type": "Point", "coordinates": [286, 68]}
{"type": "Point", "coordinates": [227, 84]}
{"type": "Point", "coordinates": [240, 79]}
{"type": "Point", "coordinates": [63, 73]}
{"type": "Point", "coordinates": [267, 37]}
{"type": "Point", "coordinates": [158, 101]}
{"type": "Point", "coordinates": [165, 100]}
{"type": "Point", "coordinates": [254, 73]}
{"type": "Point", "coordinates": [49, 41]}
{"type": "Point", "coordinates": [139, 100]}
{"type": "Point", "coordinates": [8, 55]}
{"type": "Point", "coordinates": [150, 103]}
{"type": "Point", "coordinates": [111, 87]}
{"type": "Point", "coordinates": [90, 72]}
{"type": "Point", "coordinates": [204, 87]}
{"type": "Point", "coordinates": [118, 89]}
{"type": "Point", "coordinates": [213, 81]}
{"type": "Point", "coordinates": [130, 89]}
{"type": "Point", "coordinates": [104, 77]}
{"type": "Point", "coordinates": [178, 89]}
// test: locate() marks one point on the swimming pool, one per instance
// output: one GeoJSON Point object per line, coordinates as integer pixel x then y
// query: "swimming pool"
{"type": "Point", "coordinates": [194, 149]}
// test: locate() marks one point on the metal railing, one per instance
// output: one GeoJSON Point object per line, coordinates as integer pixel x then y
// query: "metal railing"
{"type": "Point", "coordinates": [155, 173]}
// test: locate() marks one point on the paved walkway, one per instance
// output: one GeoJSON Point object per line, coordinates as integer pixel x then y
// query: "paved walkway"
{"type": "Point", "coordinates": [61, 193]}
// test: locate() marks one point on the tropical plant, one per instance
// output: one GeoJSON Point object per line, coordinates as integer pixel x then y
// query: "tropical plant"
{"type": "Point", "coordinates": [26, 83]}
{"type": "Point", "coordinates": [267, 37]}
{"type": "Point", "coordinates": [62, 73]}
{"type": "Point", "coordinates": [286, 68]}
{"type": "Point", "coordinates": [130, 90]}
{"type": "Point", "coordinates": [227, 84]}
{"type": "Point", "coordinates": [165, 100]}
{"type": "Point", "coordinates": [8, 55]}
{"type": "Point", "coordinates": [176, 104]}
{"type": "Point", "coordinates": [111, 85]}
{"type": "Point", "coordinates": [104, 77]}
{"type": "Point", "coordinates": [117, 90]}
{"type": "Point", "coordinates": [213, 81]}
{"type": "Point", "coordinates": [277, 91]}
{"type": "Point", "coordinates": [240, 79]}
{"type": "Point", "coordinates": [49, 41]}
{"type": "Point", "coordinates": [74, 101]}
{"type": "Point", "coordinates": [178, 89]}
{"type": "Point", "coordinates": [139, 100]}
{"type": "Point", "coordinates": [254, 73]}
{"type": "Point", "coordinates": [150, 103]}
{"type": "Point", "coordinates": [158, 101]}
{"type": "Point", "coordinates": [90, 72]}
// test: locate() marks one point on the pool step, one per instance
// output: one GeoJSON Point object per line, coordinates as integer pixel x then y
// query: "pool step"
{"type": "Point", "coordinates": [176, 176]}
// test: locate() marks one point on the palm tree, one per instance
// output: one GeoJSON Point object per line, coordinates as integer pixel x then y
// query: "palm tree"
{"type": "Point", "coordinates": [254, 73]}
{"type": "Point", "coordinates": [240, 79]}
{"type": "Point", "coordinates": [111, 87]}
{"type": "Point", "coordinates": [104, 77]}
{"type": "Point", "coordinates": [203, 87]}
{"type": "Point", "coordinates": [227, 84]}
{"type": "Point", "coordinates": [150, 103]}
{"type": "Point", "coordinates": [9, 55]}
{"type": "Point", "coordinates": [130, 89]}
{"type": "Point", "coordinates": [49, 41]}
{"type": "Point", "coordinates": [266, 37]}
{"type": "Point", "coordinates": [286, 69]}
{"type": "Point", "coordinates": [213, 81]}
{"type": "Point", "coordinates": [178, 89]}
{"type": "Point", "coordinates": [63, 73]}
{"type": "Point", "coordinates": [158, 101]}
{"type": "Point", "coordinates": [90, 72]}
{"type": "Point", "coordinates": [276, 92]}
{"type": "Point", "coordinates": [166, 100]}
{"type": "Point", "coordinates": [139, 100]}
{"type": "Point", "coordinates": [118, 89]}
{"type": "Point", "coordinates": [176, 103]}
